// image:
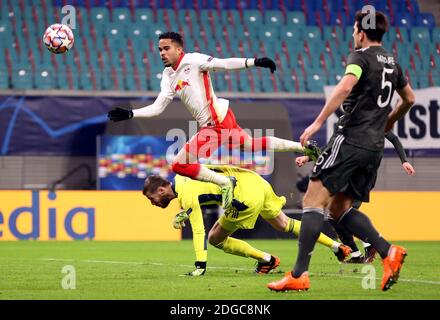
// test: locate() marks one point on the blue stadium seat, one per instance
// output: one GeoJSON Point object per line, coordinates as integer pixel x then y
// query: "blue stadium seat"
{"type": "Point", "coordinates": [333, 33]}
{"type": "Point", "coordinates": [231, 17]}
{"type": "Point", "coordinates": [291, 34]}
{"type": "Point", "coordinates": [162, 14]}
{"type": "Point", "coordinates": [21, 77]}
{"type": "Point", "coordinates": [157, 29]}
{"type": "Point", "coordinates": [404, 20]}
{"type": "Point", "coordinates": [316, 82]}
{"type": "Point", "coordinates": [397, 34]}
{"type": "Point", "coordinates": [99, 15]}
{"type": "Point", "coordinates": [421, 35]}
{"type": "Point", "coordinates": [293, 5]}
{"type": "Point", "coordinates": [436, 35]}
{"type": "Point", "coordinates": [294, 83]}
{"type": "Point", "coordinates": [44, 78]}
{"type": "Point", "coordinates": [252, 18]}
{"type": "Point", "coordinates": [296, 18]}
{"type": "Point", "coordinates": [426, 20]}
{"type": "Point", "coordinates": [4, 77]}
{"type": "Point", "coordinates": [311, 34]}
{"type": "Point", "coordinates": [423, 80]}
{"type": "Point", "coordinates": [144, 15]}
{"type": "Point", "coordinates": [273, 17]}
{"type": "Point", "coordinates": [121, 15]}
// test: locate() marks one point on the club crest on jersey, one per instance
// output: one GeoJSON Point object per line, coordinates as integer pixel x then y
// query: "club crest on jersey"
{"type": "Point", "coordinates": [180, 85]}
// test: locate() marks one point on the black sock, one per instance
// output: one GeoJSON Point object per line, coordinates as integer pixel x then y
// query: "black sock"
{"type": "Point", "coordinates": [344, 235]}
{"type": "Point", "coordinates": [360, 225]}
{"type": "Point", "coordinates": [311, 226]}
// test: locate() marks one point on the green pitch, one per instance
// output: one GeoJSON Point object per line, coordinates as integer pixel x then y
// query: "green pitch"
{"type": "Point", "coordinates": [154, 270]}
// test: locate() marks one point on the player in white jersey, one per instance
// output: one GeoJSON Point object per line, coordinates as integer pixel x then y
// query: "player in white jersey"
{"type": "Point", "coordinates": [186, 75]}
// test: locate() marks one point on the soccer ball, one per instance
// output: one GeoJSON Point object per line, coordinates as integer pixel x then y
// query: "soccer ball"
{"type": "Point", "coordinates": [58, 38]}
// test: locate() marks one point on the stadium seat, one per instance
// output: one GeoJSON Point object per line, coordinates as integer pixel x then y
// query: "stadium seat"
{"type": "Point", "coordinates": [252, 18]}
{"type": "Point", "coordinates": [44, 78]}
{"type": "Point", "coordinates": [4, 78]}
{"type": "Point", "coordinates": [21, 77]}
{"type": "Point", "coordinates": [334, 78]}
{"type": "Point", "coordinates": [144, 15]}
{"type": "Point", "coordinates": [157, 29]}
{"type": "Point", "coordinates": [404, 20]}
{"type": "Point", "coordinates": [397, 34]}
{"type": "Point", "coordinates": [423, 81]}
{"type": "Point", "coordinates": [333, 33]}
{"type": "Point", "coordinates": [426, 20]}
{"type": "Point", "coordinates": [231, 18]}
{"type": "Point", "coordinates": [99, 16]}
{"type": "Point", "coordinates": [436, 35]}
{"type": "Point", "coordinates": [295, 18]}
{"type": "Point", "coordinates": [121, 16]}
{"type": "Point", "coordinates": [421, 35]}
{"type": "Point", "coordinates": [316, 81]}
{"type": "Point", "coordinates": [166, 16]}
{"type": "Point", "coordinates": [294, 83]}
{"type": "Point", "coordinates": [311, 34]}
{"type": "Point", "coordinates": [274, 18]}
{"type": "Point", "coordinates": [291, 34]}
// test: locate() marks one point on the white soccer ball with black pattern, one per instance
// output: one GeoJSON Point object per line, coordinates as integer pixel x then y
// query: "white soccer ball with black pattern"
{"type": "Point", "coordinates": [58, 38]}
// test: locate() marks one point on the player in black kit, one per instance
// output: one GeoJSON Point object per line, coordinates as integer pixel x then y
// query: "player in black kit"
{"type": "Point", "coordinates": [346, 171]}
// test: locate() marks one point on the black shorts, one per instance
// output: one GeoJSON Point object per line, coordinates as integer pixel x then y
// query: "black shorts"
{"type": "Point", "coordinates": [345, 168]}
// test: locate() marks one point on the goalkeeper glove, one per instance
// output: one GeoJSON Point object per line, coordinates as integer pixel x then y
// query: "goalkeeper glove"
{"type": "Point", "coordinates": [180, 218]}
{"type": "Point", "coordinates": [265, 63]}
{"type": "Point", "coordinates": [119, 114]}
{"type": "Point", "coordinates": [312, 150]}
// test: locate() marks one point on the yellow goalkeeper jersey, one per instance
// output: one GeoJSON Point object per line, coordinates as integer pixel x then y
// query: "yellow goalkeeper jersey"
{"type": "Point", "coordinates": [252, 196]}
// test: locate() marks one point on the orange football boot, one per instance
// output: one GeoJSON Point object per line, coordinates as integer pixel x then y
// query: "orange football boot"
{"type": "Point", "coordinates": [288, 282]}
{"type": "Point", "coordinates": [392, 265]}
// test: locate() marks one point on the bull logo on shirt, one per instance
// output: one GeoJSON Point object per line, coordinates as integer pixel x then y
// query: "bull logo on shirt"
{"type": "Point", "coordinates": [180, 85]}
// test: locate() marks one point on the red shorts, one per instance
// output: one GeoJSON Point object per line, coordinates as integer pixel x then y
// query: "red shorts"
{"type": "Point", "coordinates": [210, 138]}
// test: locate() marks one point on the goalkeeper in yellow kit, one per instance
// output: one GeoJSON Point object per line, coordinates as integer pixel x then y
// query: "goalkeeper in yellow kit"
{"type": "Point", "coordinates": [253, 196]}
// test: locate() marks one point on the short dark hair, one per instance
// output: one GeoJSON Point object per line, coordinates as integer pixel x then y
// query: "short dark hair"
{"type": "Point", "coordinates": [153, 182]}
{"type": "Point", "coordinates": [174, 36]}
{"type": "Point", "coordinates": [373, 34]}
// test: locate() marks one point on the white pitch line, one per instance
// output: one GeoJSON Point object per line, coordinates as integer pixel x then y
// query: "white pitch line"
{"type": "Point", "coordinates": [336, 275]}
{"type": "Point", "coordinates": [142, 263]}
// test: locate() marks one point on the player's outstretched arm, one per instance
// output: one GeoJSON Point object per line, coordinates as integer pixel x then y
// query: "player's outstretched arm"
{"type": "Point", "coordinates": [159, 105]}
{"type": "Point", "coordinates": [216, 64]}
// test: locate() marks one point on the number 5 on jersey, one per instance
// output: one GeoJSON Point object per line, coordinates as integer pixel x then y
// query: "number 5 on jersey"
{"type": "Point", "coordinates": [385, 84]}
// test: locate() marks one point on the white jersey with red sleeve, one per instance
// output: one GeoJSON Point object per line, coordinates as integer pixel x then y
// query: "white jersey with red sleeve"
{"type": "Point", "coordinates": [191, 82]}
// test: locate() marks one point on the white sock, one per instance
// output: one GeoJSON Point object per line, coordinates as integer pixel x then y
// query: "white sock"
{"type": "Point", "coordinates": [365, 244]}
{"type": "Point", "coordinates": [266, 258]}
{"type": "Point", "coordinates": [335, 246]}
{"type": "Point", "coordinates": [356, 254]}
{"type": "Point", "coordinates": [208, 175]}
{"type": "Point", "coordinates": [278, 144]}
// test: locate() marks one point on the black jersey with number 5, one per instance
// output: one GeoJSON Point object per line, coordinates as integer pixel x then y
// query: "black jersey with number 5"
{"type": "Point", "coordinates": [367, 107]}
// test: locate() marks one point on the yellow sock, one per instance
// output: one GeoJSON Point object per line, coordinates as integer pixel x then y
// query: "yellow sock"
{"type": "Point", "coordinates": [199, 242]}
{"type": "Point", "coordinates": [295, 225]}
{"type": "Point", "coordinates": [240, 248]}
